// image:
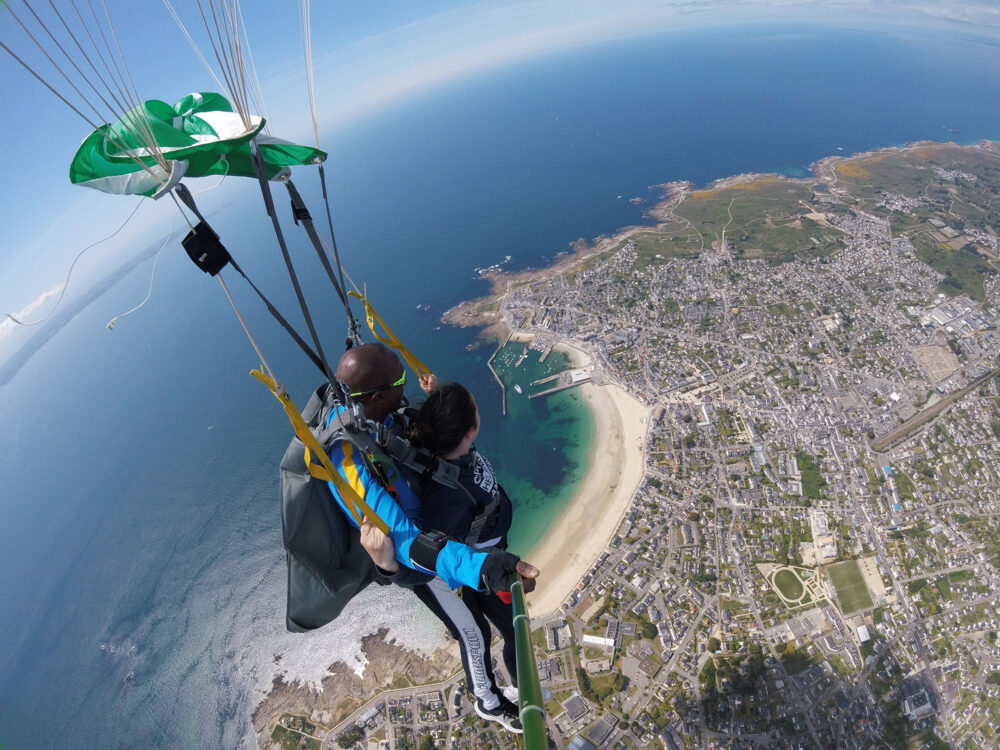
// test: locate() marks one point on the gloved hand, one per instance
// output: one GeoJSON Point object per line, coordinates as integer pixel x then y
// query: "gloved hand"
{"type": "Point", "coordinates": [498, 570]}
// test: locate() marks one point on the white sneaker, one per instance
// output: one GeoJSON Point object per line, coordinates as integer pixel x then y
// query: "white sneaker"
{"type": "Point", "coordinates": [511, 694]}
{"type": "Point", "coordinates": [505, 714]}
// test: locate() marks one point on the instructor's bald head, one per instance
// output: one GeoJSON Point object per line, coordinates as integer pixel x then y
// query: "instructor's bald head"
{"type": "Point", "coordinates": [372, 368]}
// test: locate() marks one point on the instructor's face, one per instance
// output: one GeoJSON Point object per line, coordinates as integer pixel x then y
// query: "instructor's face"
{"type": "Point", "coordinates": [388, 398]}
{"type": "Point", "coordinates": [394, 395]}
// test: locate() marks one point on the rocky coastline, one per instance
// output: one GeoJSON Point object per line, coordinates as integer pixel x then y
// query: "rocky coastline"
{"type": "Point", "coordinates": [342, 690]}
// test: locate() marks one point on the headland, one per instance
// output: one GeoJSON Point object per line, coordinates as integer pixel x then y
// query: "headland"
{"type": "Point", "coordinates": [781, 329]}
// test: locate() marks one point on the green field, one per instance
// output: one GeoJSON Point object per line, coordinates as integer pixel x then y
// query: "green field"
{"type": "Point", "coordinates": [788, 584]}
{"type": "Point", "coordinates": [965, 271]}
{"type": "Point", "coordinates": [811, 479]}
{"type": "Point", "coordinates": [763, 218]}
{"type": "Point", "coordinates": [850, 586]}
{"type": "Point", "coordinates": [290, 740]}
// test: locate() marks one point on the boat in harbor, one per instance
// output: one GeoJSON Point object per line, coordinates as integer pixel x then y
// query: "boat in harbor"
{"type": "Point", "coordinates": [518, 388]}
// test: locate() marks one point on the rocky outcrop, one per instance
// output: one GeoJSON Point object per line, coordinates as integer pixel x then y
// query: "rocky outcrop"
{"type": "Point", "coordinates": [342, 690]}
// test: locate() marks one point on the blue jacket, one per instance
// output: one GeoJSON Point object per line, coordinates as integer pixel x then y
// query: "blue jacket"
{"type": "Point", "coordinates": [457, 564]}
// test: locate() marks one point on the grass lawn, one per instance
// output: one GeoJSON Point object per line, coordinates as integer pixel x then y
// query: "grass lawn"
{"type": "Point", "coordinates": [850, 586]}
{"type": "Point", "coordinates": [788, 584]}
{"type": "Point", "coordinates": [811, 479]}
{"type": "Point", "coordinates": [289, 740]}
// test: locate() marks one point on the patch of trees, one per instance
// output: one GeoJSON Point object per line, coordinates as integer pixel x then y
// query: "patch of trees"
{"type": "Point", "coordinates": [351, 736]}
{"type": "Point", "coordinates": [596, 694]}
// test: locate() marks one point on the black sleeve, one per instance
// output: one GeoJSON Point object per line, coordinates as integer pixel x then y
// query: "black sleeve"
{"type": "Point", "coordinates": [448, 510]}
{"type": "Point", "coordinates": [407, 577]}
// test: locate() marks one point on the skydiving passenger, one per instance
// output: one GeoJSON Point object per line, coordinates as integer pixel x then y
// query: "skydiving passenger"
{"type": "Point", "coordinates": [375, 377]}
{"type": "Point", "coordinates": [478, 511]}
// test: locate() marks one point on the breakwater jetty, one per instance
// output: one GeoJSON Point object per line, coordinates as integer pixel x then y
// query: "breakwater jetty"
{"type": "Point", "coordinates": [563, 380]}
{"type": "Point", "coordinates": [503, 388]}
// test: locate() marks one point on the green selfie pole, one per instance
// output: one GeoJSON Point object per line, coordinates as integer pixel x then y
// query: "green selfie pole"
{"type": "Point", "coordinates": [530, 704]}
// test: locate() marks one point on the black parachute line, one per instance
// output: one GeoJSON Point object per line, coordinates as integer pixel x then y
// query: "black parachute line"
{"type": "Point", "coordinates": [265, 189]}
{"type": "Point", "coordinates": [353, 329]}
{"type": "Point", "coordinates": [302, 217]}
{"type": "Point", "coordinates": [217, 257]}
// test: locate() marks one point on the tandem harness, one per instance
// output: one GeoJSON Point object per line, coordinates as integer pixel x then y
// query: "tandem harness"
{"type": "Point", "coordinates": [326, 564]}
{"type": "Point", "coordinates": [384, 448]}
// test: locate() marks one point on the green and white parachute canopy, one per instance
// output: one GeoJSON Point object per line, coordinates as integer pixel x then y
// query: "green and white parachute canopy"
{"type": "Point", "coordinates": [154, 145]}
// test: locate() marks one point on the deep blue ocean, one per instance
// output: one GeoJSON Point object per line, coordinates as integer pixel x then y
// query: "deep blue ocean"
{"type": "Point", "coordinates": [142, 574]}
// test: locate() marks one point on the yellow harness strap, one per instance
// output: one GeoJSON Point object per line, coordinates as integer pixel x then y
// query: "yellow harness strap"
{"type": "Point", "coordinates": [325, 472]}
{"type": "Point", "coordinates": [390, 338]}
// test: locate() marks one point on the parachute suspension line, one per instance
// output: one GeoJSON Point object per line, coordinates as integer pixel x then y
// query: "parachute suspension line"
{"type": "Point", "coordinates": [192, 44]}
{"type": "Point", "coordinates": [46, 84]}
{"type": "Point", "coordinates": [239, 84]}
{"type": "Point", "coordinates": [227, 57]}
{"type": "Point", "coordinates": [255, 90]}
{"type": "Point", "coordinates": [265, 189]}
{"type": "Point", "coordinates": [301, 215]}
{"type": "Point", "coordinates": [246, 329]}
{"type": "Point", "coordinates": [142, 122]}
{"type": "Point", "coordinates": [185, 196]}
{"type": "Point", "coordinates": [305, 13]}
{"type": "Point", "coordinates": [118, 106]}
{"type": "Point", "coordinates": [152, 274]}
{"type": "Point", "coordinates": [174, 198]}
{"type": "Point", "coordinates": [234, 39]}
{"type": "Point", "coordinates": [70, 272]}
{"type": "Point", "coordinates": [138, 125]}
{"type": "Point", "coordinates": [126, 102]}
{"type": "Point", "coordinates": [130, 111]}
{"type": "Point", "coordinates": [48, 57]}
{"type": "Point", "coordinates": [333, 237]}
{"type": "Point", "coordinates": [222, 179]}
{"type": "Point", "coordinates": [223, 67]}
{"type": "Point", "coordinates": [105, 132]}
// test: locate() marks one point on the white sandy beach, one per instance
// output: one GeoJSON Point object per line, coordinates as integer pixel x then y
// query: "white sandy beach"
{"type": "Point", "coordinates": [583, 530]}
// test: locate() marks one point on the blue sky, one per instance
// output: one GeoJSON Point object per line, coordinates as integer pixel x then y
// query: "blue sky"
{"type": "Point", "coordinates": [367, 55]}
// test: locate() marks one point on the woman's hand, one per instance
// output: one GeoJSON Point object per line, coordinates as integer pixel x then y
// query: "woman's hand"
{"type": "Point", "coordinates": [379, 546]}
{"type": "Point", "coordinates": [428, 382]}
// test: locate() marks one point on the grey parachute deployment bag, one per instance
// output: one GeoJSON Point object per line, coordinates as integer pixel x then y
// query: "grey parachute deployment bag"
{"type": "Point", "coordinates": [327, 566]}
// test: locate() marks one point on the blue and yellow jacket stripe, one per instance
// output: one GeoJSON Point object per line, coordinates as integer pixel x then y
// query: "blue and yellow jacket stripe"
{"type": "Point", "coordinates": [457, 564]}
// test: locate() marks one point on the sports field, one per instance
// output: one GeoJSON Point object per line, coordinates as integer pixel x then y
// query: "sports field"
{"type": "Point", "coordinates": [789, 584]}
{"type": "Point", "coordinates": [850, 586]}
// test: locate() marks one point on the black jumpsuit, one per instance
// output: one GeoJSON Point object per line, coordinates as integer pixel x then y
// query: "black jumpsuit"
{"type": "Point", "coordinates": [467, 612]}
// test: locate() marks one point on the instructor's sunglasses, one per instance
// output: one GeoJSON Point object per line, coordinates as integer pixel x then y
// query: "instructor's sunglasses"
{"type": "Point", "coordinates": [370, 391]}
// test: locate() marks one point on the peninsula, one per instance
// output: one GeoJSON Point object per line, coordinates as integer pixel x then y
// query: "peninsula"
{"type": "Point", "coordinates": [795, 540]}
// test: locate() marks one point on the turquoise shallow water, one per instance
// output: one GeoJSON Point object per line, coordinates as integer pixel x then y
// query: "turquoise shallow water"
{"type": "Point", "coordinates": [561, 437]}
{"type": "Point", "coordinates": [142, 585]}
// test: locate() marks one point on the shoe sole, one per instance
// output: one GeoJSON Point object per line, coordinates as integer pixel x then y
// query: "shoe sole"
{"type": "Point", "coordinates": [513, 696]}
{"type": "Point", "coordinates": [499, 719]}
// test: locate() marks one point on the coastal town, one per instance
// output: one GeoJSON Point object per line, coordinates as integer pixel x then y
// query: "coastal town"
{"type": "Point", "coordinates": [802, 545]}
